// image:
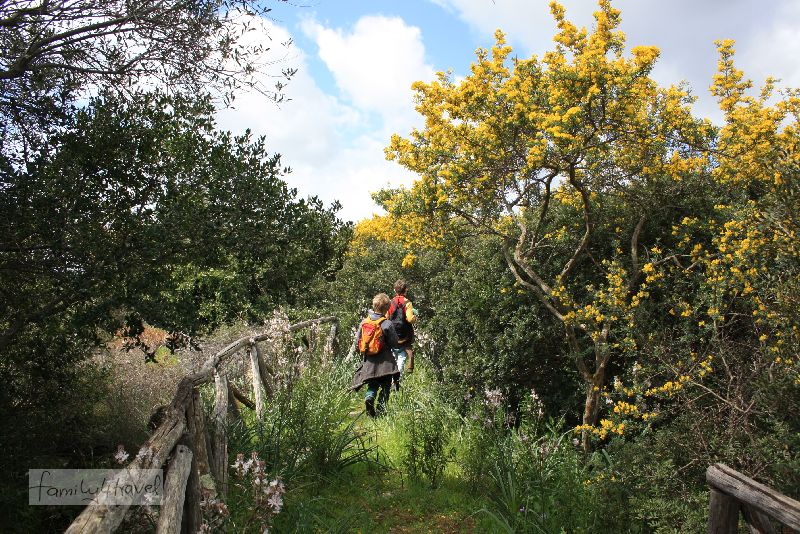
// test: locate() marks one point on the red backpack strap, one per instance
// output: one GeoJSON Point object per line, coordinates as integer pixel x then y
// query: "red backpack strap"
{"type": "Point", "coordinates": [399, 301]}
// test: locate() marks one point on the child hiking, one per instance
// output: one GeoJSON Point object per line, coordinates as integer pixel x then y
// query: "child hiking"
{"type": "Point", "coordinates": [401, 314]}
{"type": "Point", "coordinates": [375, 340]}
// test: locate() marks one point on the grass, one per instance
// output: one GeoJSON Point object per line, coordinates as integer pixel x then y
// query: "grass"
{"type": "Point", "coordinates": [379, 496]}
{"type": "Point", "coordinates": [420, 468]}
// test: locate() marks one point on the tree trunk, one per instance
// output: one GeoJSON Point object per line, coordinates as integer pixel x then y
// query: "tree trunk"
{"type": "Point", "coordinates": [591, 407]}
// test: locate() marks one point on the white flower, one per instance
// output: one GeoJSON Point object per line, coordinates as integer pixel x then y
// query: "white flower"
{"type": "Point", "coordinates": [121, 456]}
{"type": "Point", "coordinates": [145, 453]}
{"type": "Point", "coordinates": [276, 502]}
{"type": "Point", "coordinates": [494, 398]}
{"type": "Point", "coordinates": [239, 463]}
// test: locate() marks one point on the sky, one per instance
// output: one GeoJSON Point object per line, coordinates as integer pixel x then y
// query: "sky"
{"type": "Point", "coordinates": [356, 61]}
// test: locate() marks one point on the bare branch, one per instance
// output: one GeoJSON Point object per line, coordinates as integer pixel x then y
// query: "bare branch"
{"type": "Point", "coordinates": [587, 219]}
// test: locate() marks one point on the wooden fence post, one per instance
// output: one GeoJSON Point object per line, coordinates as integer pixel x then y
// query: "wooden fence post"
{"type": "Point", "coordinates": [199, 434]}
{"type": "Point", "coordinates": [171, 512]}
{"type": "Point", "coordinates": [196, 441]}
{"type": "Point", "coordinates": [221, 432]}
{"type": "Point", "coordinates": [330, 344]}
{"type": "Point", "coordinates": [265, 371]}
{"type": "Point", "coordinates": [252, 351]}
{"type": "Point", "coordinates": [731, 490]}
{"type": "Point", "coordinates": [757, 523]}
{"type": "Point", "coordinates": [723, 513]}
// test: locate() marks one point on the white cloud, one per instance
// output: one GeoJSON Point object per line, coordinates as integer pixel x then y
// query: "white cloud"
{"type": "Point", "coordinates": [334, 151]}
{"type": "Point", "coordinates": [767, 34]}
{"type": "Point", "coordinates": [375, 64]}
{"type": "Point", "coordinates": [774, 49]}
{"type": "Point", "coordinates": [528, 23]}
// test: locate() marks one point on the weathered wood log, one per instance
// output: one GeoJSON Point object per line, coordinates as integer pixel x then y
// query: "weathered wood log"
{"type": "Point", "coordinates": [310, 322]}
{"type": "Point", "coordinates": [757, 522]}
{"type": "Point", "coordinates": [106, 518]}
{"type": "Point", "coordinates": [265, 371]}
{"type": "Point", "coordinates": [239, 395]}
{"type": "Point", "coordinates": [757, 496]}
{"type": "Point", "coordinates": [171, 512]}
{"type": "Point", "coordinates": [723, 513]}
{"type": "Point", "coordinates": [330, 343]}
{"type": "Point", "coordinates": [192, 513]}
{"type": "Point", "coordinates": [255, 371]}
{"type": "Point", "coordinates": [157, 417]}
{"type": "Point", "coordinates": [221, 432]}
{"type": "Point", "coordinates": [196, 422]}
{"type": "Point", "coordinates": [196, 441]}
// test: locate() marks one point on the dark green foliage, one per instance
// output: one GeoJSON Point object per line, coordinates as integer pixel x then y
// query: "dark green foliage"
{"type": "Point", "coordinates": [533, 476]}
{"type": "Point", "coordinates": [487, 333]}
{"type": "Point", "coordinates": [137, 211]}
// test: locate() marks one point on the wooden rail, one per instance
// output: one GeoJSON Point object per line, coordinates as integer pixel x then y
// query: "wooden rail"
{"type": "Point", "coordinates": [732, 492]}
{"type": "Point", "coordinates": [182, 437]}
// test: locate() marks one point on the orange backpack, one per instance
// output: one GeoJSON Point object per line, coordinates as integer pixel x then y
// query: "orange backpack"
{"type": "Point", "coordinates": [371, 342]}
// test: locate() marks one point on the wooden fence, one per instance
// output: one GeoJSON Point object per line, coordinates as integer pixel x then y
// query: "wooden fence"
{"type": "Point", "coordinates": [732, 493]}
{"type": "Point", "coordinates": [182, 438]}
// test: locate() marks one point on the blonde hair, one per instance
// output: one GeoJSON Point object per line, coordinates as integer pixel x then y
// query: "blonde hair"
{"type": "Point", "coordinates": [380, 303]}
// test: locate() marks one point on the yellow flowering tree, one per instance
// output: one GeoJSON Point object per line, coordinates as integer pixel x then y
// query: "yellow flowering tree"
{"type": "Point", "coordinates": [405, 224]}
{"type": "Point", "coordinates": [560, 156]}
{"type": "Point", "coordinates": [737, 284]}
{"type": "Point", "coordinates": [757, 256]}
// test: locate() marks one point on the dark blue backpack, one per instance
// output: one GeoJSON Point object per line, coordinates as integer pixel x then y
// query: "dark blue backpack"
{"type": "Point", "coordinates": [397, 314]}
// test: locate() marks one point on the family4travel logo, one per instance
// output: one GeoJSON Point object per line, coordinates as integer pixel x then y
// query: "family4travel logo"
{"type": "Point", "coordinates": [84, 487]}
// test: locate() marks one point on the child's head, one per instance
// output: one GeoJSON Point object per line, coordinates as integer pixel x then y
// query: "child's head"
{"type": "Point", "coordinates": [400, 287]}
{"type": "Point", "coordinates": [380, 303]}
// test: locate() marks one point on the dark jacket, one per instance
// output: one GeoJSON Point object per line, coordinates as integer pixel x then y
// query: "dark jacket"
{"type": "Point", "coordinates": [383, 363]}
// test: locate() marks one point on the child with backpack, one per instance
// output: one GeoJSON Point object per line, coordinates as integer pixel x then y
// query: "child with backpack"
{"type": "Point", "coordinates": [375, 340]}
{"type": "Point", "coordinates": [401, 313]}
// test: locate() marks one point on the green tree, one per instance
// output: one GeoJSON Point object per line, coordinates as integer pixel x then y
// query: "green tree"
{"type": "Point", "coordinates": [56, 51]}
{"type": "Point", "coordinates": [138, 211]}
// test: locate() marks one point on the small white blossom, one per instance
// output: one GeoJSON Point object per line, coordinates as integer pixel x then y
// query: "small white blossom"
{"type": "Point", "coordinates": [145, 453]}
{"type": "Point", "coordinates": [276, 502]}
{"type": "Point", "coordinates": [494, 398]}
{"type": "Point", "coordinates": [121, 456]}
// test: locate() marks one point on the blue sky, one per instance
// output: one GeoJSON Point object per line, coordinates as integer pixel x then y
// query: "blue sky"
{"type": "Point", "coordinates": [357, 59]}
